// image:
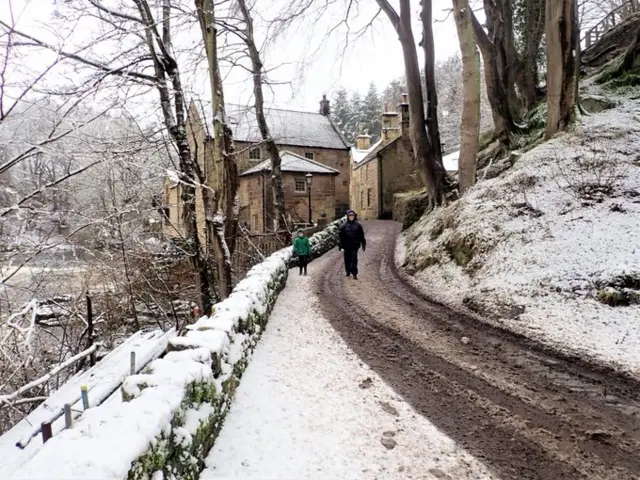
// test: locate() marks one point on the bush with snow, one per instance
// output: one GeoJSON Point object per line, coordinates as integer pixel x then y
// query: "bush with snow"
{"type": "Point", "coordinates": [551, 246]}
{"type": "Point", "coordinates": [172, 412]}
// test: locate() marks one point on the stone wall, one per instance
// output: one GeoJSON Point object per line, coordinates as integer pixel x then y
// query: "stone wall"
{"type": "Point", "coordinates": [323, 200]}
{"type": "Point", "coordinates": [171, 414]}
{"type": "Point", "coordinates": [399, 173]}
{"type": "Point", "coordinates": [365, 196]}
{"type": "Point", "coordinates": [336, 159]}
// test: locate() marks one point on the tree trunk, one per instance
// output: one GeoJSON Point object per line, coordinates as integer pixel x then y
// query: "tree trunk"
{"type": "Point", "coordinates": [470, 121]}
{"type": "Point", "coordinates": [528, 72]}
{"type": "Point", "coordinates": [222, 187]}
{"type": "Point", "coordinates": [433, 176]}
{"type": "Point", "coordinates": [279, 218]}
{"type": "Point", "coordinates": [497, 95]}
{"type": "Point", "coordinates": [561, 71]}
{"type": "Point", "coordinates": [426, 15]}
{"type": "Point", "coordinates": [166, 69]}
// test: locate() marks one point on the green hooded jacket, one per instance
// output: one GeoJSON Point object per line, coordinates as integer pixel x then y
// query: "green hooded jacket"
{"type": "Point", "coordinates": [301, 246]}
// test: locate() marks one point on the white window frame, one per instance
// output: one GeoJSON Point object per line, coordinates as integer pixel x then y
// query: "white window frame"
{"type": "Point", "coordinates": [302, 181]}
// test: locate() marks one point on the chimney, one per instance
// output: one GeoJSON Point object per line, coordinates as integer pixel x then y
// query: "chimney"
{"type": "Point", "coordinates": [325, 106]}
{"type": "Point", "coordinates": [363, 141]}
{"type": "Point", "coordinates": [404, 115]}
{"type": "Point", "coordinates": [390, 126]}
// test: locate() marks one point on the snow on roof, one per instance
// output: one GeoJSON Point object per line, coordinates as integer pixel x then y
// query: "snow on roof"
{"type": "Point", "coordinates": [358, 155]}
{"type": "Point", "coordinates": [292, 162]}
{"type": "Point", "coordinates": [288, 127]}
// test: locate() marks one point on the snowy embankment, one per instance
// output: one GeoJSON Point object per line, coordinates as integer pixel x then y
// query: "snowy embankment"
{"type": "Point", "coordinates": [308, 408]}
{"type": "Point", "coordinates": [171, 413]}
{"type": "Point", "coordinates": [550, 249]}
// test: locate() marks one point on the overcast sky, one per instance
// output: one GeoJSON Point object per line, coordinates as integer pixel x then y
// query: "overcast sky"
{"type": "Point", "coordinates": [308, 63]}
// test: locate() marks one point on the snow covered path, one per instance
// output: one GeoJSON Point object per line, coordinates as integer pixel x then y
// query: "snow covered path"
{"type": "Point", "coordinates": [308, 408]}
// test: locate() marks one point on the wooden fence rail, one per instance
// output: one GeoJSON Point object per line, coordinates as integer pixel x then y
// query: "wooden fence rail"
{"type": "Point", "coordinates": [613, 18]}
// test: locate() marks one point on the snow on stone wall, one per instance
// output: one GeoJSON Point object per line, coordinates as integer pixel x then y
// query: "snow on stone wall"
{"type": "Point", "coordinates": [171, 413]}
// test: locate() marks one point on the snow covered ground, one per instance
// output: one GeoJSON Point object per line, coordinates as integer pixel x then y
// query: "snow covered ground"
{"type": "Point", "coordinates": [543, 248]}
{"type": "Point", "coordinates": [102, 381]}
{"type": "Point", "coordinates": [307, 408]}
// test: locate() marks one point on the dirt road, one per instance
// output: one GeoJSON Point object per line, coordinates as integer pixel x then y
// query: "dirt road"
{"type": "Point", "coordinates": [523, 411]}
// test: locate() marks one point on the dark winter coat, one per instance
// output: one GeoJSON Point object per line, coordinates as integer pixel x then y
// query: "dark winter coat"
{"type": "Point", "coordinates": [352, 236]}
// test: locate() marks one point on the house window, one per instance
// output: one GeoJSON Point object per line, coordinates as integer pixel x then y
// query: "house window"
{"type": "Point", "coordinates": [366, 171]}
{"type": "Point", "coordinates": [255, 154]}
{"type": "Point", "coordinates": [301, 185]}
{"type": "Point", "coordinates": [361, 199]}
{"type": "Point", "coordinates": [254, 223]}
{"type": "Point", "coordinates": [309, 155]}
{"type": "Point", "coordinates": [167, 213]}
{"type": "Point", "coordinates": [368, 198]}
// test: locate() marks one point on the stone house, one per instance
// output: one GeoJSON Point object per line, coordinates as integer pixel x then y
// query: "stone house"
{"type": "Point", "coordinates": [256, 193]}
{"type": "Point", "coordinates": [201, 145]}
{"type": "Point", "coordinates": [381, 170]}
{"type": "Point", "coordinates": [309, 135]}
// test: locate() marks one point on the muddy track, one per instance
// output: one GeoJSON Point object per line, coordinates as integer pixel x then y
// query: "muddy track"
{"type": "Point", "coordinates": [524, 412]}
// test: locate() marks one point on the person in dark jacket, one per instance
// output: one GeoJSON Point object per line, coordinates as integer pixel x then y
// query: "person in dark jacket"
{"type": "Point", "coordinates": [302, 248]}
{"type": "Point", "coordinates": [351, 238]}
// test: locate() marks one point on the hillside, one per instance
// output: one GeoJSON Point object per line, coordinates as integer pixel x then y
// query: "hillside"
{"type": "Point", "coordinates": [551, 248]}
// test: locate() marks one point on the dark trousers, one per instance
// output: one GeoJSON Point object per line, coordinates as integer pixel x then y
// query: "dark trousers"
{"type": "Point", "coordinates": [351, 261]}
{"type": "Point", "coordinates": [303, 261]}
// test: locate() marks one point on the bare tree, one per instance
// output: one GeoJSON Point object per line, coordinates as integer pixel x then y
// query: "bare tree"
{"type": "Point", "coordinates": [257, 68]}
{"type": "Point", "coordinates": [470, 122]}
{"type": "Point", "coordinates": [222, 200]}
{"type": "Point", "coordinates": [561, 28]}
{"type": "Point", "coordinates": [431, 169]}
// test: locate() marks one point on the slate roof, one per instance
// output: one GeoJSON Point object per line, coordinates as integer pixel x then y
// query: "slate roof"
{"type": "Point", "coordinates": [359, 155]}
{"type": "Point", "coordinates": [292, 162]}
{"type": "Point", "coordinates": [288, 127]}
{"type": "Point", "coordinates": [374, 151]}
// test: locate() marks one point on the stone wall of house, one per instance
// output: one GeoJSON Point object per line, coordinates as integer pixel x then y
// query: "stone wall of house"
{"type": "Point", "coordinates": [399, 173]}
{"type": "Point", "coordinates": [336, 159]}
{"type": "Point", "coordinates": [252, 194]}
{"type": "Point", "coordinates": [323, 199]}
{"type": "Point", "coordinates": [365, 195]}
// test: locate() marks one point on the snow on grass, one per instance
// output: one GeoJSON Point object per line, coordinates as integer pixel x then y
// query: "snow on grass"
{"type": "Point", "coordinates": [300, 413]}
{"type": "Point", "coordinates": [535, 248]}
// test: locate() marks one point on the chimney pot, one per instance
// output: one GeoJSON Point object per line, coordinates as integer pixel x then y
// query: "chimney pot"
{"type": "Point", "coordinates": [325, 106]}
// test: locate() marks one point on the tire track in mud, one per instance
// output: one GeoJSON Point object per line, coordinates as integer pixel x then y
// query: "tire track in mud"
{"type": "Point", "coordinates": [510, 402]}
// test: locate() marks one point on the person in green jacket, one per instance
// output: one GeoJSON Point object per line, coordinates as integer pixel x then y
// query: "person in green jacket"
{"type": "Point", "coordinates": [302, 248]}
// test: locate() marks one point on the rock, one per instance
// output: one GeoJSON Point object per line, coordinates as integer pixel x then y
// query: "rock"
{"type": "Point", "coordinates": [465, 340]}
{"type": "Point", "coordinates": [436, 472]}
{"type": "Point", "coordinates": [388, 442]}
{"type": "Point", "coordinates": [596, 103]}
{"type": "Point", "coordinates": [389, 434]}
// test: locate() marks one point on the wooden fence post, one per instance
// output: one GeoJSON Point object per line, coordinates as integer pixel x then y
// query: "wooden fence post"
{"type": "Point", "coordinates": [92, 358]}
{"type": "Point", "coordinates": [68, 419]}
{"type": "Point", "coordinates": [133, 363]}
{"type": "Point", "coordinates": [47, 432]}
{"type": "Point", "coordinates": [84, 391]}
